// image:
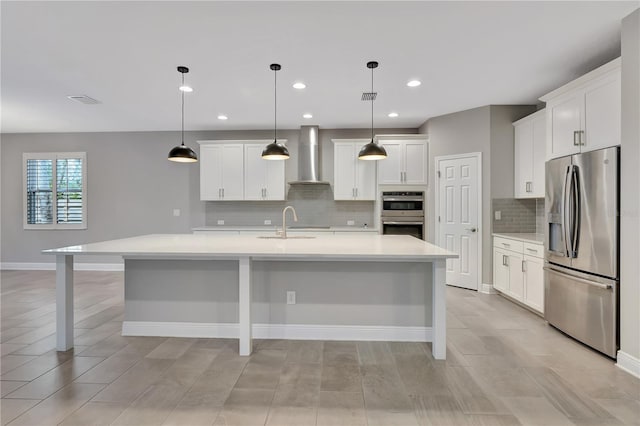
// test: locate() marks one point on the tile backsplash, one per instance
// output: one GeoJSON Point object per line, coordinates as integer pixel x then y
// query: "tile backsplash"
{"type": "Point", "coordinates": [518, 215]}
{"type": "Point", "coordinates": [314, 205]}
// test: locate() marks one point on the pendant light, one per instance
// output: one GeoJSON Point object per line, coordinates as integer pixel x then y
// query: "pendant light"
{"type": "Point", "coordinates": [275, 150]}
{"type": "Point", "coordinates": [182, 153]}
{"type": "Point", "coordinates": [372, 151]}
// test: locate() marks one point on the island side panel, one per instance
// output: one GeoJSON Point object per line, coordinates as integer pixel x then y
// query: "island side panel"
{"type": "Point", "coordinates": [64, 302]}
{"type": "Point", "coordinates": [439, 310]}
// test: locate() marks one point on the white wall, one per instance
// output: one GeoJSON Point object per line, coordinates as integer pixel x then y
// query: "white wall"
{"type": "Point", "coordinates": [487, 130]}
{"type": "Point", "coordinates": [629, 193]}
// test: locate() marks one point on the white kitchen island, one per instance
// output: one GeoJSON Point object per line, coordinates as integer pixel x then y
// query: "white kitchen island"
{"type": "Point", "coordinates": [160, 268]}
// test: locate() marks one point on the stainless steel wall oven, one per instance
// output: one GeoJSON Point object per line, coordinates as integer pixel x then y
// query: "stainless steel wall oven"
{"type": "Point", "coordinates": [403, 213]}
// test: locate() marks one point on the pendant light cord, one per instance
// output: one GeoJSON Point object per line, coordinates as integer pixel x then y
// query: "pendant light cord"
{"type": "Point", "coordinates": [372, 104]}
{"type": "Point", "coordinates": [275, 105]}
{"type": "Point", "coordinates": [182, 128]}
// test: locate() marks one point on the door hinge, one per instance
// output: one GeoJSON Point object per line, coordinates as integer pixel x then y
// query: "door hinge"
{"type": "Point", "coordinates": [438, 218]}
{"type": "Point", "coordinates": [439, 174]}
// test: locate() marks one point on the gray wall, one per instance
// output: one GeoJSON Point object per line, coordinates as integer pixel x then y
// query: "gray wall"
{"type": "Point", "coordinates": [132, 188]}
{"type": "Point", "coordinates": [327, 293]}
{"type": "Point", "coordinates": [488, 130]}
{"type": "Point", "coordinates": [630, 182]}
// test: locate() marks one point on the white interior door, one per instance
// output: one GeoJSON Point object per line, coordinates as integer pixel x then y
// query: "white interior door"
{"type": "Point", "coordinates": [458, 187]}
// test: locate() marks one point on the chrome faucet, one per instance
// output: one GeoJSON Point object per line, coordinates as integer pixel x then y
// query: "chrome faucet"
{"type": "Point", "coordinates": [283, 234]}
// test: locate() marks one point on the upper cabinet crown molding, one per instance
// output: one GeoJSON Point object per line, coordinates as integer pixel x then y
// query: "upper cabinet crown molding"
{"type": "Point", "coordinates": [584, 80]}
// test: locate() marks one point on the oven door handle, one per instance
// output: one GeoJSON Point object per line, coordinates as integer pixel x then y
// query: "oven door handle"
{"type": "Point", "coordinates": [402, 199]}
{"type": "Point", "coordinates": [402, 223]}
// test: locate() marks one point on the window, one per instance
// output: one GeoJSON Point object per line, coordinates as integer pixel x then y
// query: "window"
{"type": "Point", "coordinates": [55, 190]}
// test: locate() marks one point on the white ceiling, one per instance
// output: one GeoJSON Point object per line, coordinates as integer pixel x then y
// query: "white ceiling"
{"type": "Point", "coordinates": [125, 54]}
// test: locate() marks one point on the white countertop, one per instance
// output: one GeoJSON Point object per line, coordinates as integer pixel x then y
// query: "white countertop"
{"type": "Point", "coordinates": [526, 237]}
{"type": "Point", "coordinates": [272, 228]}
{"type": "Point", "coordinates": [331, 247]}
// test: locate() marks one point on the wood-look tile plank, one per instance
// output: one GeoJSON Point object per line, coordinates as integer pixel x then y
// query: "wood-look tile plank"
{"type": "Point", "coordinates": [341, 409]}
{"type": "Point", "coordinates": [536, 411]}
{"type": "Point", "coordinates": [569, 401]}
{"type": "Point", "coordinates": [438, 410]}
{"type": "Point", "coordinates": [172, 348]}
{"type": "Point", "coordinates": [420, 376]}
{"type": "Point", "coordinates": [38, 366]}
{"type": "Point", "coordinates": [9, 386]}
{"type": "Point", "coordinates": [12, 408]}
{"type": "Point", "coordinates": [245, 407]}
{"type": "Point", "coordinates": [471, 397]}
{"type": "Point", "coordinates": [623, 409]}
{"type": "Point", "coordinates": [7, 348]}
{"type": "Point", "coordinates": [54, 409]}
{"type": "Point", "coordinates": [10, 362]}
{"type": "Point", "coordinates": [95, 414]}
{"type": "Point", "coordinates": [136, 380]}
{"type": "Point", "coordinates": [55, 379]}
{"type": "Point", "coordinates": [341, 378]}
{"type": "Point", "coordinates": [305, 351]}
{"type": "Point", "coordinates": [373, 353]}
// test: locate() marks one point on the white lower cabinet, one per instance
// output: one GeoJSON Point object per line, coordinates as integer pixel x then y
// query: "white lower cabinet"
{"type": "Point", "coordinates": [518, 274]}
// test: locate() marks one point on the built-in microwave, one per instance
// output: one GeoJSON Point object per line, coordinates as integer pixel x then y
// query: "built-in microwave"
{"type": "Point", "coordinates": [403, 203]}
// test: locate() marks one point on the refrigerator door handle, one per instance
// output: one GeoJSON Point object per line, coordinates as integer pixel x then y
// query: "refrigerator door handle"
{"type": "Point", "coordinates": [566, 194]}
{"type": "Point", "coordinates": [575, 220]}
{"type": "Point", "coordinates": [578, 279]}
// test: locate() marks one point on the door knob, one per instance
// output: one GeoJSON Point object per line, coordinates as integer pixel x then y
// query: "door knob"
{"type": "Point", "coordinates": [471, 229]}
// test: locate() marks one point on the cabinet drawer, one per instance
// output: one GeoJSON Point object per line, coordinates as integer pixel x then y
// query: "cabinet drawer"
{"type": "Point", "coordinates": [531, 249]}
{"type": "Point", "coordinates": [505, 243]}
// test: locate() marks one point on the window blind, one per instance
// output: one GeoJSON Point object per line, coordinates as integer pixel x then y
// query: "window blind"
{"type": "Point", "coordinates": [69, 195]}
{"type": "Point", "coordinates": [39, 192]}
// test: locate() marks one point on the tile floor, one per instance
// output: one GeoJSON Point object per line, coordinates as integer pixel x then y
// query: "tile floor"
{"type": "Point", "coordinates": [504, 366]}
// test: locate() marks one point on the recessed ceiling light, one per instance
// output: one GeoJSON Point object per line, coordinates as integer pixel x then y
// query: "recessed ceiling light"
{"type": "Point", "coordinates": [222, 117]}
{"type": "Point", "coordinates": [414, 83]}
{"type": "Point", "coordinates": [185, 89]}
{"type": "Point", "coordinates": [393, 114]}
{"type": "Point", "coordinates": [299, 85]}
{"type": "Point", "coordinates": [307, 115]}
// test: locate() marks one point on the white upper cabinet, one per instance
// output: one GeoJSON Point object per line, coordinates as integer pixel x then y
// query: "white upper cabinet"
{"type": "Point", "coordinates": [221, 171]}
{"type": "Point", "coordinates": [235, 170]}
{"type": "Point", "coordinates": [530, 148]}
{"type": "Point", "coordinates": [353, 179]}
{"type": "Point", "coordinates": [263, 180]}
{"type": "Point", "coordinates": [407, 160]}
{"type": "Point", "coordinates": [584, 115]}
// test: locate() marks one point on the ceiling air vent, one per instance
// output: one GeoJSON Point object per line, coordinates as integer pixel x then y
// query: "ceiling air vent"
{"type": "Point", "coordinates": [84, 99]}
{"type": "Point", "coordinates": [369, 96]}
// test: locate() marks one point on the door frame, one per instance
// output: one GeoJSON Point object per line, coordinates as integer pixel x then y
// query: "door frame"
{"type": "Point", "coordinates": [478, 157]}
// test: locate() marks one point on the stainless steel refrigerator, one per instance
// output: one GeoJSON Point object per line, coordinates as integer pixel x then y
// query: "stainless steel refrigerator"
{"type": "Point", "coordinates": [582, 247]}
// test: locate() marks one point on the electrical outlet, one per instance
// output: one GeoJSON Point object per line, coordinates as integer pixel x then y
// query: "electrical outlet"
{"type": "Point", "coordinates": [176, 212]}
{"type": "Point", "coordinates": [291, 297]}
{"type": "Point", "coordinates": [497, 215]}
{"type": "Point", "coordinates": [220, 221]}
{"type": "Point", "coordinates": [351, 222]}
{"type": "Point", "coordinates": [267, 221]}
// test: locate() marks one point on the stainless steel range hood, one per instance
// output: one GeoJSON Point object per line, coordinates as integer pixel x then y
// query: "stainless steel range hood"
{"type": "Point", "coordinates": [309, 157]}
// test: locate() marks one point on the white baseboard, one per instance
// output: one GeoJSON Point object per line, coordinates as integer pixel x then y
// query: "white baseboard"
{"type": "Point", "coordinates": [278, 331]}
{"type": "Point", "coordinates": [32, 266]}
{"type": "Point", "coordinates": [628, 363]}
{"type": "Point", "coordinates": [487, 289]}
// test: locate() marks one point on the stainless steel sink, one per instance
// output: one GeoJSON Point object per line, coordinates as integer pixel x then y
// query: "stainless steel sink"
{"type": "Point", "coordinates": [289, 237]}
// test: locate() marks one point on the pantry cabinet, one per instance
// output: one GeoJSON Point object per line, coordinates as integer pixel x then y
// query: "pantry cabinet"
{"type": "Point", "coordinates": [407, 160]}
{"type": "Point", "coordinates": [353, 179]}
{"type": "Point", "coordinates": [518, 271]}
{"type": "Point", "coordinates": [263, 180]}
{"type": "Point", "coordinates": [529, 158]}
{"type": "Point", "coordinates": [584, 115]}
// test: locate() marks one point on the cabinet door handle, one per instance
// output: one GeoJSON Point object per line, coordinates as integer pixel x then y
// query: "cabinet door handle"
{"type": "Point", "coordinates": [576, 138]}
{"type": "Point", "coordinates": [506, 260]}
{"type": "Point", "coordinates": [219, 192]}
{"type": "Point", "coordinates": [528, 187]}
{"type": "Point", "coordinates": [223, 193]}
{"type": "Point", "coordinates": [356, 192]}
{"type": "Point", "coordinates": [506, 245]}
{"type": "Point", "coordinates": [524, 269]}
{"type": "Point", "coordinates": [581, 132]}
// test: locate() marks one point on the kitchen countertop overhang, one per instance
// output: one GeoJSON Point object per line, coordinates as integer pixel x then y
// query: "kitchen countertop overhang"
{"type": "Point", "coordinates": [526, 237]}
